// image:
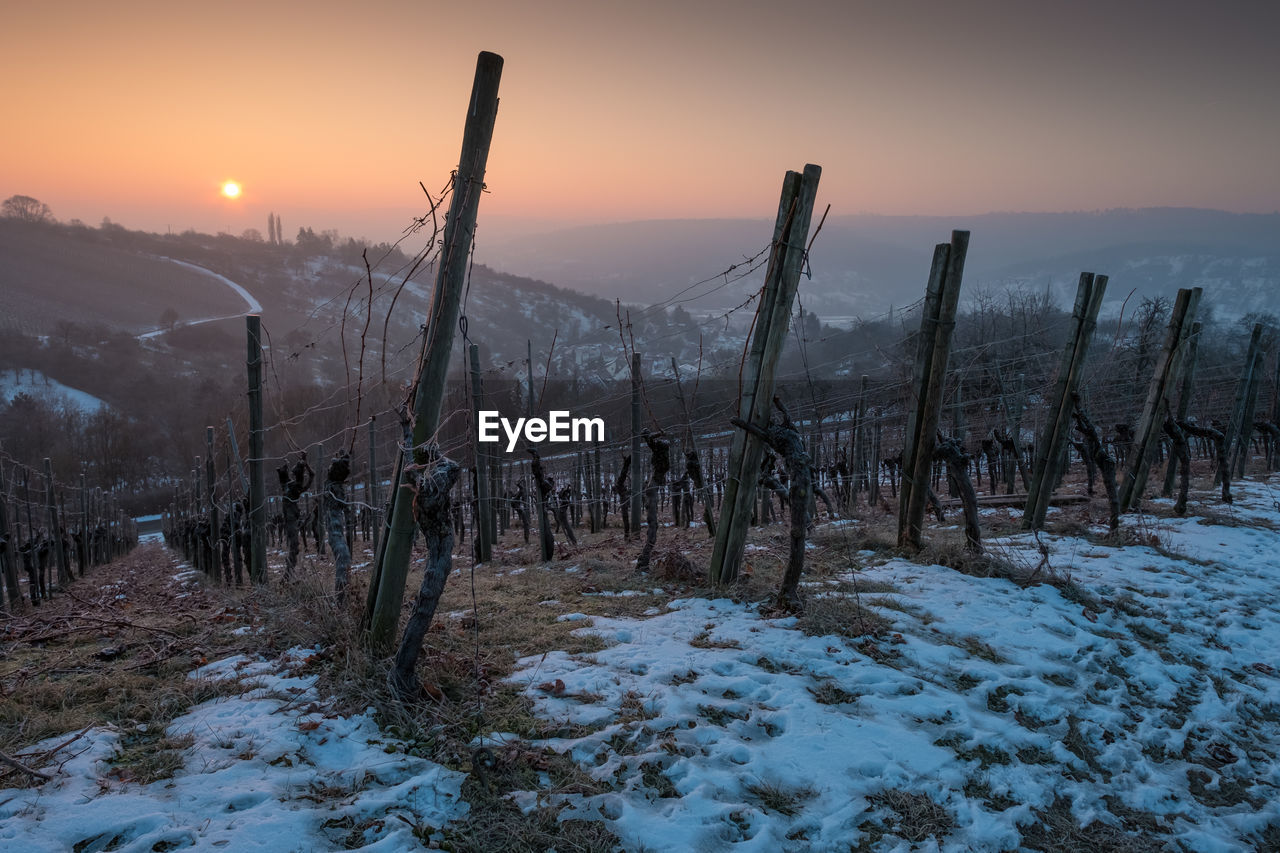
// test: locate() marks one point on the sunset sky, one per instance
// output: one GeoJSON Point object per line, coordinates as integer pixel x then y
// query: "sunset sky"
{"type": "Point", "coordinates": [330, 113]}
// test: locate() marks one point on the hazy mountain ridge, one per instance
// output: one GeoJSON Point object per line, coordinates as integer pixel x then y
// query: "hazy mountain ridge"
{"type": "Point", "coordinates": [866, 264]}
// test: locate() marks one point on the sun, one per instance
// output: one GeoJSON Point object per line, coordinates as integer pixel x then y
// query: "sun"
{"type": "Point", "coordinates": [231, 189]}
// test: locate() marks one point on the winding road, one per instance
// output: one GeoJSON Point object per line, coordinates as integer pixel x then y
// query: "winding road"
{"type": "Point", "coordinates": [253, 306]}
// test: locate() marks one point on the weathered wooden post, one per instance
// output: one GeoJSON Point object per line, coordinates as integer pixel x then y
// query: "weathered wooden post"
{"type": "Point", "coordinates": [235, 454]}
{"type": "Point", "coordinates": [1184, 403]}
{"type": "Point", "coordinates": [257, 470]}
{"type": "Point", "coordinates": [1242, 420]}
{"type": "Point", "coordinates": [375, 505]}
{"type": "Point", "coordinates": [790, 233]}
{"type": "Point", "coordinates": [1165, 377]}
{"type": "Point", "coordinates": [635, 442]}
{"type": "Point", "coordinates": [9, 559]}
{"type": "Point", "coordinates": [214, 528]}
{"type": "Point", "coordinates": [483, 528]}
{"type": "Point", "coordinates": [446, 300]}
{"type": "Point", "coordinates": [55, 527]}
{"type": "Point", "coordinates": [82, 550]}
{"type": "Point", "coordinates": [693, 465]}
{"type": "Point", "coordinates": [1049, 449]}
{"type": "Point", "coordinates": [936, 325]}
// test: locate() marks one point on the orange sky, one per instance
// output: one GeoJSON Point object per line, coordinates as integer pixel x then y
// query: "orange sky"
{"type": "Point", "coordinates": [330, 113]}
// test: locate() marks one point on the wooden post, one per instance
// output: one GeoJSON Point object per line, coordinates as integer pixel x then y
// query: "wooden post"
{"type": "Point", "coordinates": [790, 233]}
{"type": "Point", "coordinates": [496, 523]}
{"type": "Point", "coordinates": [693, 466]}
{"type": "Point", "coordinates": [257, 468]}
{"type": "Point", "coordinates": [528, 408]}
{"type": "Point", "coordinates": [1053, 442]}
{"type": "Point", "coordinates": [1165, 377]}
{"type": "Point", "coordinates": [322, 524]}
{"type": "Point", "coordinates": [1236, 426]}
{"type": "Point", "coordinates": [55, 527]}
{"type": "Point", "coordinates": [446, 301]}
{"type": "Point", "coordinates": [919, 382]}
{"type": "Point", "coordinates": [375, 506]}
{"type": "Point", "coordinates": [83, 554]}
{"type": "Point", "coordinates": [1184, 404]}
{"type": "Point", "coordinates": [9, 559]}
{"type": "Point", "coordinates": [214, 529]}
{"type": "Point", "coordinates": [1245, 435]}
{"type": "Point", "coordinates": [917, 465]}
{"type": "Point", "coordinates": [235, 453]}
{"type": "Point", "coordinates": [483, 527]}
{"type": "Point", "coordinates": [635, 444]}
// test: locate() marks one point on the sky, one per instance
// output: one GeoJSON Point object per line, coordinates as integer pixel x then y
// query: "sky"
{"type": "Point", "coordinates": [330, 113]}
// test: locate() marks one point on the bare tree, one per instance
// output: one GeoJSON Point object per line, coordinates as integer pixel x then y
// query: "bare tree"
{"type": "Point", "coordinates": [26, 209]}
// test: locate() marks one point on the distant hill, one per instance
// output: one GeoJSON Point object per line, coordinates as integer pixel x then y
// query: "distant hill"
{"type": "Point", "coordinates": [51, 273]}
{"type": "Point", "coordinates": [116, 281]}
{"type": "Point", "coordinates": [864, 264]}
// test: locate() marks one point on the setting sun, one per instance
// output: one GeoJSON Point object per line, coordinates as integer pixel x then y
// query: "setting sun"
{"type": "Point", "coordinates": [231, 189]}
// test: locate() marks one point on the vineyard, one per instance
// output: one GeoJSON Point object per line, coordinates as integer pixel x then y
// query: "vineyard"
{"type": "Point", "coordinates": [982, 573]}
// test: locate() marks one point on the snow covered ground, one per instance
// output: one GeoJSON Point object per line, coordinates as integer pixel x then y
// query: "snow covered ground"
{"type": "Point", "coordinates": [265, 770]}
{"type": "Point", "coordinates": [1151, 695]}
{"type": "Point", "coordinates": [1136, 708]}
{"type": "Point", "coordinates": [42, 387]}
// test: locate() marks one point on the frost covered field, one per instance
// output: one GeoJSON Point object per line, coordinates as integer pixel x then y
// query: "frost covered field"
{"type": "Point", "coordinates": [1135, 707]}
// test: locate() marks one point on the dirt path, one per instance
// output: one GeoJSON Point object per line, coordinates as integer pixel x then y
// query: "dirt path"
{"type": "Point", "coordinates": [112, 649]}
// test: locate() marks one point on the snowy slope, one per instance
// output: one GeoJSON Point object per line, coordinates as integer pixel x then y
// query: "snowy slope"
{"type": "Point", "coordinates": [266, 770]}
{"type": "Point", "coordinates": [37, 385]}
{"type": "Point", "coordinates": [1148, 693]}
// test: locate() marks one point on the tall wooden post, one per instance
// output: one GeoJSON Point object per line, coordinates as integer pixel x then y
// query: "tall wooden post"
{"type": "Point", "coordinates": [1184, 399]}
{"type": "Point", "coordinates": [446, 301]}
{"type": "Point", "coordinates": [528, 409]}
{"type": "Point", "coordinates": [482, 527]}
{"type": "Point", "coordinates": [703, 490]}
{"type": "Point", "coordinates": [936, 325]}
{"type": "Point", "coordinates": [782, 278]}
{"type": "Point", "coordinates": [84, 525]}
{"type": "Point", "coordinates": [1164, 378]}
{"type": "Point", "coordinates": [55, 528]}
{"type": "Point", "coordinates": [214, 528]}
{"type": "Point", "coordinates": [635, 444]}
{"type": "Point", "coordinates": [1052, 445]}
{"type": "Point", "coordinates": [235, 453]}
{"type": "Point", "coordinates": [9, 559]}
{"type": "Point", "coordinates": [257, 466]}
{"type": "Point", "coordinates": [1235, 423]}
{"type": "Point", "coordinates": [321, 468]}
{"type": "Point", "coordinates": [1245, 433]}
{"type": "Point", "coordinates": [375, 505]}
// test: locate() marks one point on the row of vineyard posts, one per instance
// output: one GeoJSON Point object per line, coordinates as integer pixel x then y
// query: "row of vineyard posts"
{"type": "Point", "coordinates": [881, 440]}
{"type": "Point", "coordinates": [51, 533]}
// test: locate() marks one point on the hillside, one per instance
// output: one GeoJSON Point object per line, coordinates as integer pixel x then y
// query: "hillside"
{"type": "Point", "coordinates": [52, 274]}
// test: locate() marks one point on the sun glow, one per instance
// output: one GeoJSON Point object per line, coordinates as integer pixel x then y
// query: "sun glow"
{"type": "Point", "coordinates": [231, 189]}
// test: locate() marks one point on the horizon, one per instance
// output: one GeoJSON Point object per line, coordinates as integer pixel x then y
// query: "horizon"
{"type": "Point", "coordinates": [141, 114]}
{"type": "Point", "coordinates": [518, 229]}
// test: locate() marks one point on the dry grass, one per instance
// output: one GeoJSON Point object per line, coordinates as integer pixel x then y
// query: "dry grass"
{"type": "Point", "coordinates": [89, 657]}
{"type": "Point", "coordinates": [1057, 830]}
{"type": "Point", "coordinates": [781, 799]}
{"type": "Point", "coordinates": [842, 614]}
{"type": "Point", "coordinates": [910, 816]}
